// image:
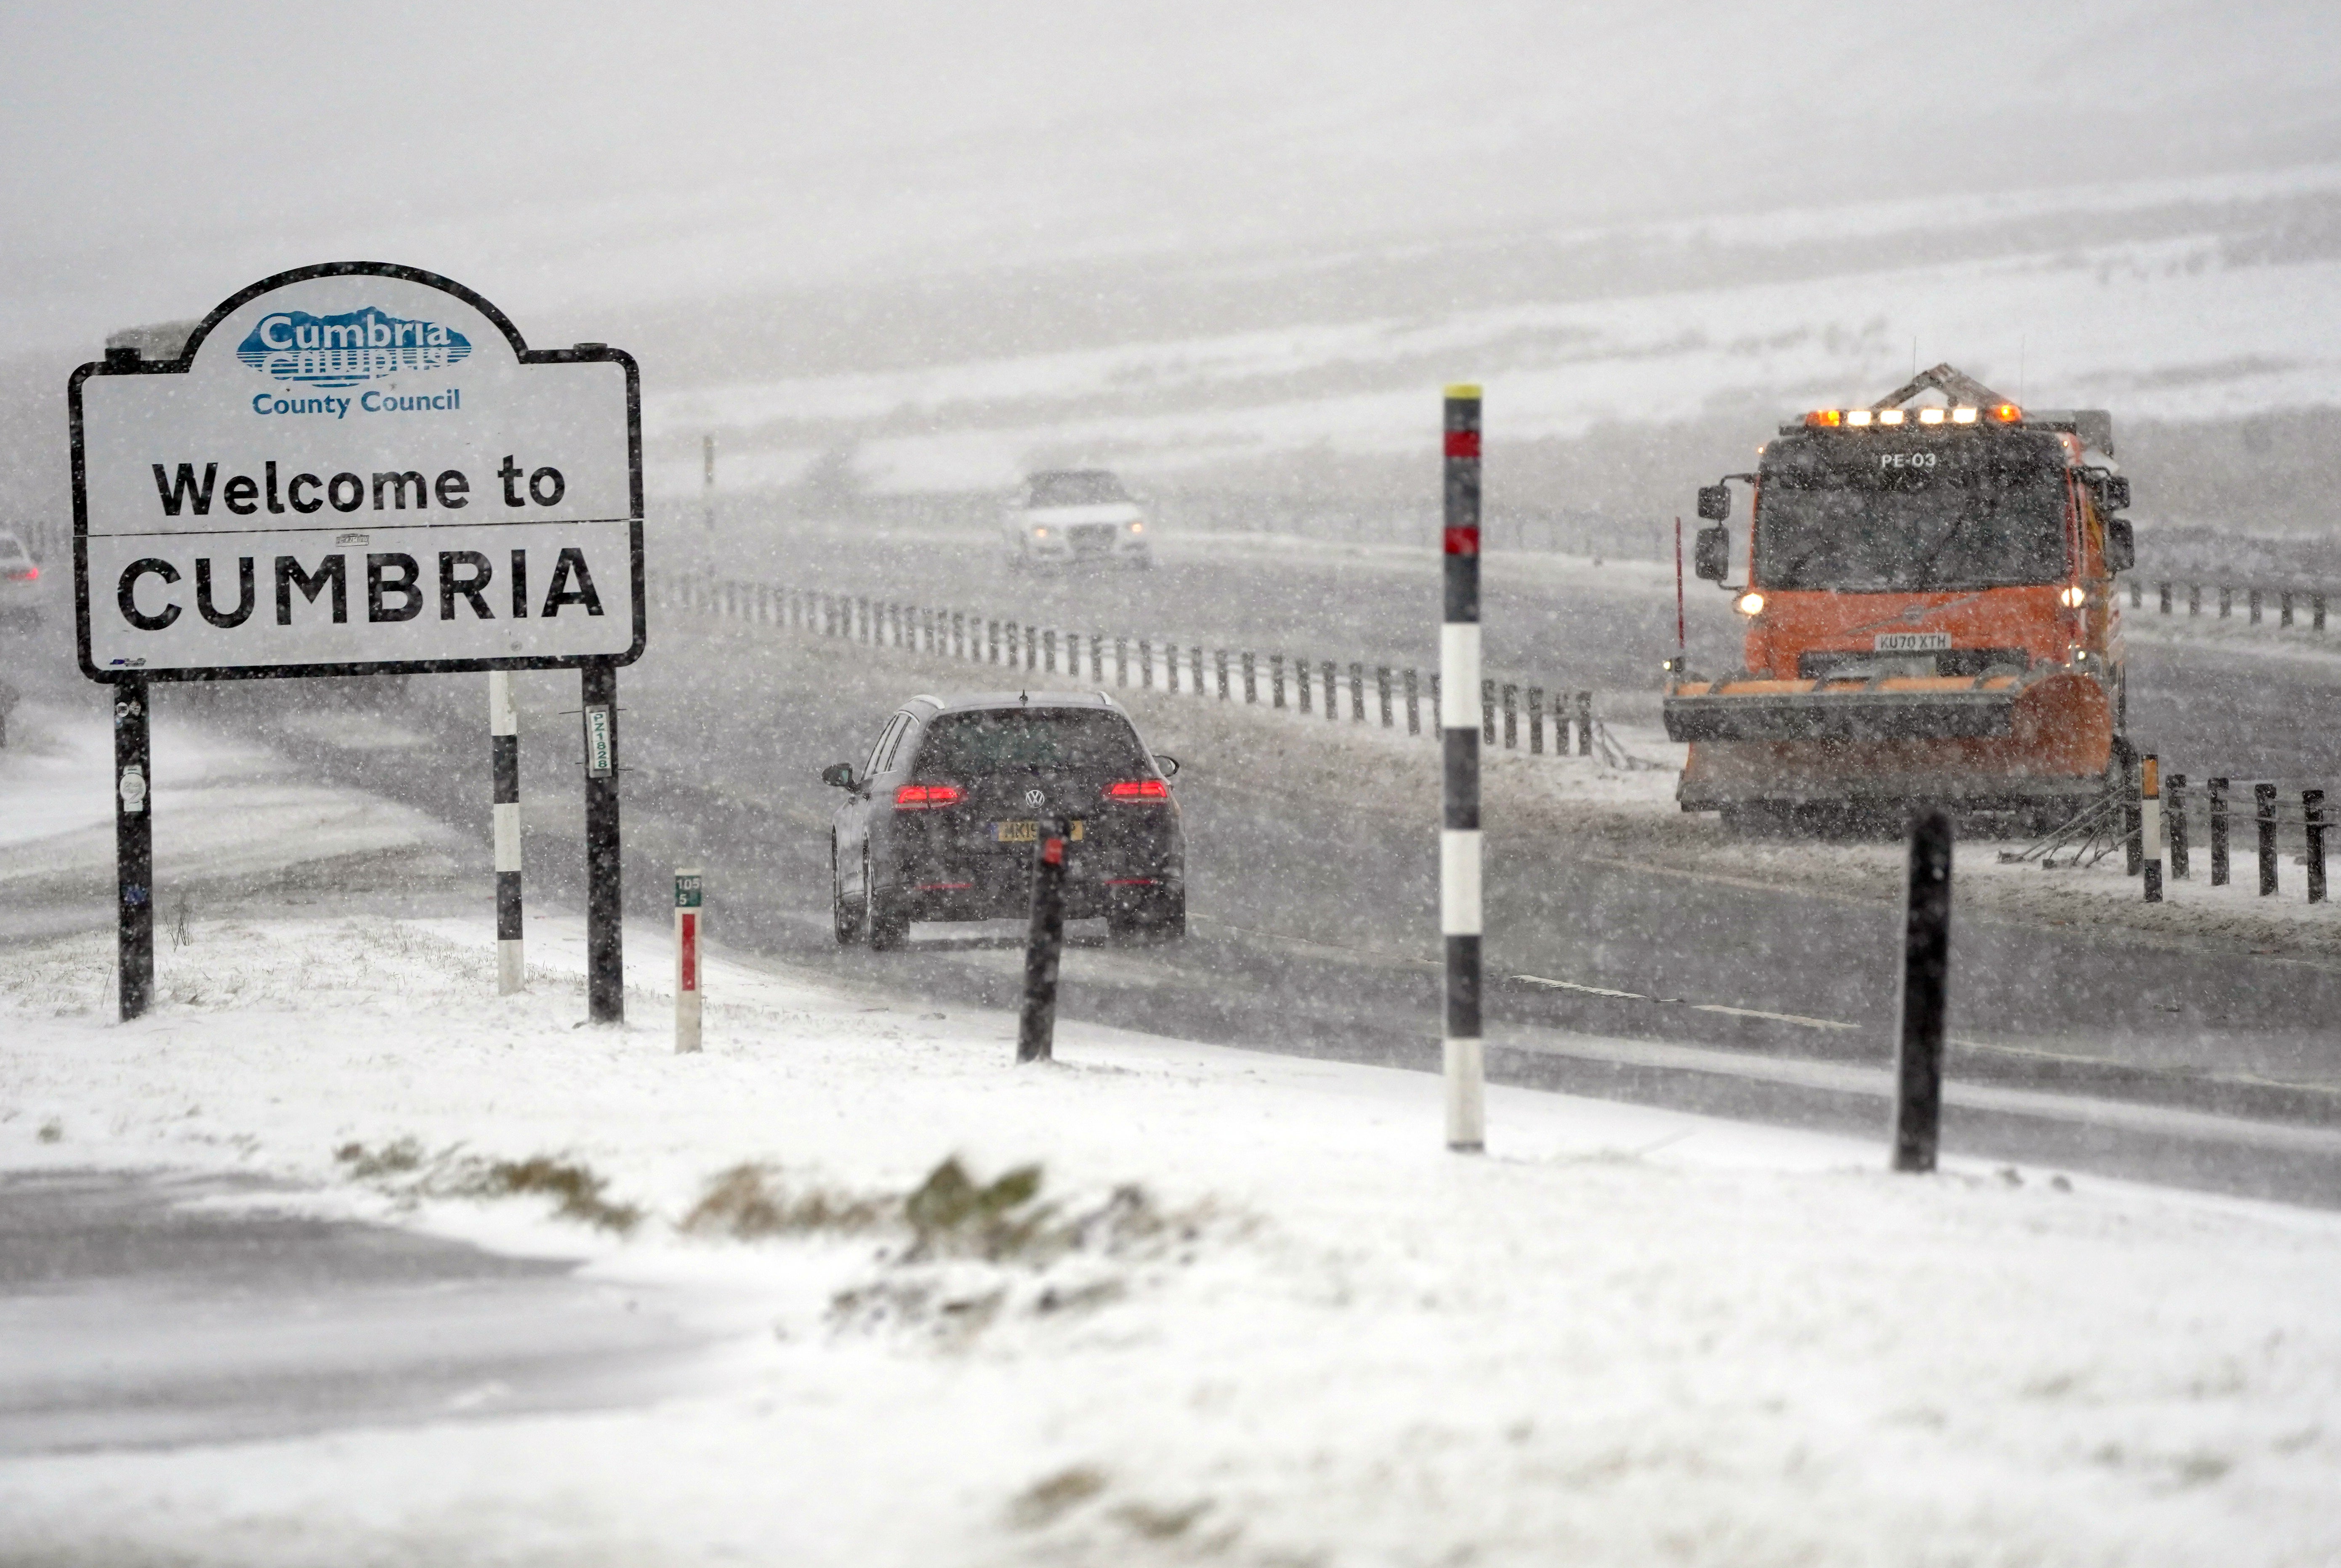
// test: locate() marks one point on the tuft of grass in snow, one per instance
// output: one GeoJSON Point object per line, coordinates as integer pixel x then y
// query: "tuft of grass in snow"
{"type": "Point", "coordinates": [1153, 1523]}
{"type": "Point", "coordinates": [953, 1214]}
{"type": "Point", "coordinates": [747, 1202]}
{"type": "Point", "coordinates": [575, 1186]}
{"type": "Point", "coordinates": [1053, 1497]}
{"type": "Point", "coordinates": [391, 1159]}
{"type": "Point", "coordinates": [576, 1189]}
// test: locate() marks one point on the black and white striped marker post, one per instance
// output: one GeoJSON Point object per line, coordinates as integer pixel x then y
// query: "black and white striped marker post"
{"type": "Point", "coordinates": [1459, 719]}
{"type": "Point", "coordinates": [503, 759]}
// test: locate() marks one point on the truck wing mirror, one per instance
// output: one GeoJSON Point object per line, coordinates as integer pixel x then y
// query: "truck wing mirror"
{"type": "Point", "coordinates": [1711, 551]}
{"type": "Point", "coordinates": [2121, 545]}
{"type": "Point", "coordinates": [2113, 492]}
{"type": "Point", "coordinates": [1714, 504]}
{"type": "Point", "coordinates": [838, 775]}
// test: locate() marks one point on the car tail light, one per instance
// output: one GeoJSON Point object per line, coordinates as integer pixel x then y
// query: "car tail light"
{"type": "Point", "coordinates": [925, 797]}
{"type": "Point", "coordinates": [1138, 789]}
{"type": "Point", "coordinates": [24, 575]}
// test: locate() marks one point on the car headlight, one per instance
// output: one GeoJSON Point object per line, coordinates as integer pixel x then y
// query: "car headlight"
{"type": "Point", "coordinates": [1039, 533]}
{"type": "Point", "coordinates": [1138, 527]}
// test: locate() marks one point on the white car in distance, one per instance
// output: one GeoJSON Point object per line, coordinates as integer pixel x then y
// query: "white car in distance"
{"type": "Point", "coordinates": [22, 591]}
{"type": "Point", "coordinates": [1063, 516]}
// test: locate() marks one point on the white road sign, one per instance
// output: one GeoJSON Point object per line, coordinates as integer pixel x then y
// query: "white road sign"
{"type": "Point", "coordinates": [357, 468]}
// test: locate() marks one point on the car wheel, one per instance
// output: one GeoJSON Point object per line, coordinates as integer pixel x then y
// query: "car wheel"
{"type": "Point", "coordinates": [845, 918]}
{"type": "Point", "coordinates": [889, 927]}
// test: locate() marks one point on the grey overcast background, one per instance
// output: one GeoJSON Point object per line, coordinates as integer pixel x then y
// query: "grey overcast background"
{"type": "Point", "coordinates": [756, 195]}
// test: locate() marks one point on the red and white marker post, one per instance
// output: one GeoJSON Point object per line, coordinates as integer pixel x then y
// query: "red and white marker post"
{"type": "Point", "coordinates": [687, 959]}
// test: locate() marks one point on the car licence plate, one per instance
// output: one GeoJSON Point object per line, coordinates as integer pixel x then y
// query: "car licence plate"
{"type": "Point", "coordinates": [1911, 643]}
{"type": "Point", "coordinates": [1027, 830]}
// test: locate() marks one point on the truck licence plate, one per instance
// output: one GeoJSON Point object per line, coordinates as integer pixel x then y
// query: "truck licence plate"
{"type": "Point", "coordinates": [1027, 830]}
{"type": "Point", "coordinates": [1911, 643]}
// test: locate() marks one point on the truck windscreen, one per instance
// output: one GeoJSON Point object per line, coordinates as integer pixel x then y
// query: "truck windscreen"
{"type": "Point", "coordinates": [1911, 513]}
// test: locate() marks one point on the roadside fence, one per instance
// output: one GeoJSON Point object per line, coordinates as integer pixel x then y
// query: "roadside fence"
{"type": "Point", "coordinates": [2289, 601]}
{"type": "Point", "coordinates": [1379, 695]}
{"type": "Point", "coordinates": [2154, 820]}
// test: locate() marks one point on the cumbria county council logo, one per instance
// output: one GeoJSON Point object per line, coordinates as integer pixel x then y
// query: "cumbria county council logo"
{"type": "Point", "coordinates": [345, 350]}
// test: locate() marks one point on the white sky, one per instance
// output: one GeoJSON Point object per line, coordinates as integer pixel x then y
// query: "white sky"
{"type": "Point", "coordinates": [158, 156]}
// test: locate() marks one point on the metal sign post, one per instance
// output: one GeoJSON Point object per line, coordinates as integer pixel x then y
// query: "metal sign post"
{"type": "Point", "coordinates": [353, 469]}
{"type": "Point", "coordinates": [605, 964]}
{"type": "Point", "coordinates": [133, 848]}
{"type": "Point", "coordinates": [687, 966]}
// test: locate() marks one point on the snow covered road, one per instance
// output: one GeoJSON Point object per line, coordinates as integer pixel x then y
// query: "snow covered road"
{"type": "Point", "coordinates": [146, 1309]}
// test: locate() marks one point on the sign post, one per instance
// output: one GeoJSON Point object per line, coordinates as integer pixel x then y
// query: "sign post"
{"type": "Point", "coordinates": [355, 469]}
{"type": "Point", "coordinates": [133, 848]}
{"type": "Point", "coordinates": [687, 968]}
{"type": "Point", "coordinates": [605, 966]}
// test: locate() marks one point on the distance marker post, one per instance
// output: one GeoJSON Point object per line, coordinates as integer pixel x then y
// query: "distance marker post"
{"type": "Point", "coordinates": [2149, 789]}
{"type": "Point", "coordinates": [687, 964]}
{"type": "Point", "coordinates": [1926, 983]}
{"type": "Point", "coordinates": [504, 757]}
{"type": "Point", "coordinates": [1044, 945]}
{"type": "Point", "coordinates": [1458, 721]}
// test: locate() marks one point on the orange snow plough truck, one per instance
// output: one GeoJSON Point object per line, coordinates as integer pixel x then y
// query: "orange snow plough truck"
{"type": "Point", "coordinates": [1932, 616]}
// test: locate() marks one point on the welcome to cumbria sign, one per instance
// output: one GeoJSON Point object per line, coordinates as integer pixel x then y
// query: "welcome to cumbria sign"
{"type": "Point", "coordinates": [356, 468]}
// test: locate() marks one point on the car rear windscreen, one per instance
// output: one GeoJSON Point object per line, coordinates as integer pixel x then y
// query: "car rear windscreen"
{"type": "Point", "coordinates": [1088, 487]}
{"type": "Point", "coordinates": [963, 746]}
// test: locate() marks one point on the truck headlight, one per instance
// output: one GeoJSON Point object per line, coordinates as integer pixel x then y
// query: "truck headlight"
{"type": "Point", "coordinates": [1749, 604]}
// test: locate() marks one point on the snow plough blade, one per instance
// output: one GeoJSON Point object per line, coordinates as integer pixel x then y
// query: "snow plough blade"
{"type": "Point", "coordinates": [1991, 741]}
{"type": "Point", "coordinates": [1894, 708]}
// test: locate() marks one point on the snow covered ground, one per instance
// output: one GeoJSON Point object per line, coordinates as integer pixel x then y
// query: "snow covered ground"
{"type": "Point", "coordinates": [228, 817]}
{"type": "Point", "coordinates": [1254, 1313]}
{"type": "Point", "coordinates": [2176, 306]}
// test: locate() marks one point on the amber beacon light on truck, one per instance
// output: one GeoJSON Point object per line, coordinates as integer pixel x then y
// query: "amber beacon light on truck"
{"type": "Point", "coordinates": [1929, 612]}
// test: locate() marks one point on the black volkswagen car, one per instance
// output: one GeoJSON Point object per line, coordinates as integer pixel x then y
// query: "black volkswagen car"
{"type": "Point", "coordinates": [939, 825]}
